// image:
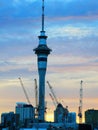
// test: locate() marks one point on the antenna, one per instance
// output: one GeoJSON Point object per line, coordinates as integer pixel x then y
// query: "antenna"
{"type": "Point", "coordinates": [42, 15]}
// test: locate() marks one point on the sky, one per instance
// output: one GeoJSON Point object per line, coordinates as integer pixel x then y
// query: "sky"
{"type": "Point", "coordinates": [72, 30]}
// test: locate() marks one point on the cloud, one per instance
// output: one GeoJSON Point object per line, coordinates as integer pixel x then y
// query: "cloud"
{"type": "Point", "coordinates": [23, 1]}
{"type": "Point", "coordinates": [73, 8]}
{"type": "Point", "coordinates": [73, 30]}
{"type": "Point", "coordinates": [16, 8]}
{"type": "Point", "coordinates": [17, 64]}
{"type": "Point", "coordinates": [24, 8]}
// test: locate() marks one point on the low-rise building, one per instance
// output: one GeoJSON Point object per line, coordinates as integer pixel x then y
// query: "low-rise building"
{"type": "Point", "coordinates": [10, 120]}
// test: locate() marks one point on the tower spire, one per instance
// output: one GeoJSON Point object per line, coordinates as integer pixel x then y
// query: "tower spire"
{"type": "Point", "coordinates": [42, 15]}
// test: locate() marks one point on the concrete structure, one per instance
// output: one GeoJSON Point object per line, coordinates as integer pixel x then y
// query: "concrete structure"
{"type": "Point", "coordinates": [25, 111]}
{"type": "Point", "coordinates": [91, 117]}
{"type": "Point", "coordinates": [42, 52]}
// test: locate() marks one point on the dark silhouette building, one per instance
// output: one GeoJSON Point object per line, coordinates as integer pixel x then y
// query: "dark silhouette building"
{"type": "Point", "coordinates": [91, 117]}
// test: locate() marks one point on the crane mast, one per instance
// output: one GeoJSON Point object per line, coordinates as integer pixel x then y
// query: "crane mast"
{"type": "Point", "coordinates": [52, 99]}
{"type": "Point", "coordinates": [53, 96]}
{"type": "Point", "coordinates": [36, 98]}
{"type": "Point", "coordinates": [80, 102]}
{"type": "Point", "coordinates": [24, 90]}
{"type": "Point", "coordinates": [36, 93]}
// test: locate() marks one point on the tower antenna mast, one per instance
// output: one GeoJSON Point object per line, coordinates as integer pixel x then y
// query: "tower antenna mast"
{"type": "Point", "coordinates": [42, 15]}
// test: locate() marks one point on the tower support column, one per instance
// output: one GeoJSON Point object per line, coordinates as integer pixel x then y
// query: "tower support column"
{"type": "Point", "coordinates": [41, 114]}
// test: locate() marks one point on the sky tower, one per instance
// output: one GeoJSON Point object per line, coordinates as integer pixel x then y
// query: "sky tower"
{"type": "Point", "coordinates": [42, 52]}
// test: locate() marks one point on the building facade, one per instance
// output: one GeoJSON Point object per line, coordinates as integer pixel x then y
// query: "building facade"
{"type": "Point", "coordinates": [25, 111]}
{"type": "Point", "coordinates": [60, 114]}
{"type": "Point", "coordinates": [10, 120]}
{"type": "Point", "coordinates": [91, 117]}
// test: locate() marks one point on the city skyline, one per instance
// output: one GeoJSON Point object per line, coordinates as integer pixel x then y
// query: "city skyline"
{"type": "Point", "coordinates": [72, 30]}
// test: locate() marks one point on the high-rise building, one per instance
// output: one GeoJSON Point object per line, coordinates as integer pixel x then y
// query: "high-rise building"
{"type": "Point", "coordinates": [42, 52]}
{"type": "Point", "coordinates": [25, 111]}
{"type": "Point", "coordinates": [60, 114]}
{"type": "Point", "coordinates": [91, 117]}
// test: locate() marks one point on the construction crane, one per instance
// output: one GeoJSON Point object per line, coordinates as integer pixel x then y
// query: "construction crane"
{"type": "Point", "coordinates": [53, 96]}
{"type": "Point", "coordinates": [36, 93]}
{"type": "Point", "coordinates": [45, 107]}
{"type": "Point", "coordinates": [24, 90]}
{"type": "Point", "coordinates": [52, 99]}
{"type": "Point", "coordinates": [80, 102]}
{"type": "Point", "coordinates": [36, 98]}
